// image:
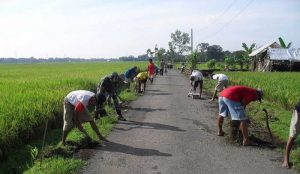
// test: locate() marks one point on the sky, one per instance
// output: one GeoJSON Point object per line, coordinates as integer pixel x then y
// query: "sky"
{"type": "Point", "coordinates": [115, 28]}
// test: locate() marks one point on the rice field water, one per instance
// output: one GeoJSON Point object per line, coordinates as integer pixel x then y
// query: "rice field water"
{"type": "Point", "coordinates": [32, 93]}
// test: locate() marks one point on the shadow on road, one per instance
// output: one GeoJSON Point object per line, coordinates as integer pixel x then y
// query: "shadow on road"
{"type": "Point", "coordinates": [145, 109]}
{"type": "Point", "coordinates": [153, 90]}
{"type": "Point", "coordinates": [160, 93]}
{"type": "Point", "coordinates": [145, 125]}
{"type": "Point", "coordinates": [116, 147]}
{"type": "Point", "coordinates": [200, 125]}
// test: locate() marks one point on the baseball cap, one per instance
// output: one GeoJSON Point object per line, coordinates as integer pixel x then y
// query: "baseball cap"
{"type": "Point", "coordinates": [260, 94]}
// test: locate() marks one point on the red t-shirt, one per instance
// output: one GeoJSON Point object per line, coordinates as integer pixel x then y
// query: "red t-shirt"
{"type": "Point", "coordinates": [151, 68]}
{"type": "Point", "coordinates": [239, 93]}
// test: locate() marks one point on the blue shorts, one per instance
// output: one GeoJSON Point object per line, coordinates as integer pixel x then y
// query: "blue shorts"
{"type": "Point", "coordinates": [235, 109]}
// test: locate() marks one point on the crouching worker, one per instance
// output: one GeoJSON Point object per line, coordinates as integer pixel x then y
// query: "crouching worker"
{"type": "Point", "coordinates": [196, 78]}
{"type": "Point", "coordinates": [294, 132]}
{"type": "Point", "coordinates": [233, 101]}
{"type": "Point", "coordinates": [76, 113]}
{"type": "Point", "coordinates": [105, 89]}
{"type": "Point", "coordinates": [221, 84]}
{"type": "Point", "coordinates": [140, 82]}
{"type": "Point", "coordinates": [130, 74]}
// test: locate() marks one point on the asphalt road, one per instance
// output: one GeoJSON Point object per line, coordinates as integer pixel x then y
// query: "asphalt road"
{"type": "Point", "coordinates": [169, 133]}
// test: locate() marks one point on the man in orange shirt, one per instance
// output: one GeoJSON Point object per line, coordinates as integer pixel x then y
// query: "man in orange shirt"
{"type": "Point", "coordinates": [151, 70]}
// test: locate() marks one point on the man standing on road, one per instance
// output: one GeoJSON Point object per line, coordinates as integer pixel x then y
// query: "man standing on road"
{"type": "Point", "coordinates": [221, 84]}
{"type": "Point", "coordinates": [233, 100]}
{"type": "Point", "coordinates": [151, 70]}
{"type": "Point", "coordinates": [76, 112]}
{"type": "Point", "coordinates": [162, 66]}
{"type": "Point", "coordinates": [196, 78]}
{"type": "Point", "coordinates": [107, 87]}
{"type": "Point", "coordinates": [294, 132]}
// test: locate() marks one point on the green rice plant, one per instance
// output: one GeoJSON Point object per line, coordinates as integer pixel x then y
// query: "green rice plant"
{"type": "Point", "coordinates": [32, 93]}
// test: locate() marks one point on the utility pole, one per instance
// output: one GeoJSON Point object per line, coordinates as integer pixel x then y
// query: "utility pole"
{"type": "Point", "coordinates": [192, 41]}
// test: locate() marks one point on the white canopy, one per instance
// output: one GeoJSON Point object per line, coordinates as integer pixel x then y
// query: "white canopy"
{"type": "Point", "coordinates": [284, 54]}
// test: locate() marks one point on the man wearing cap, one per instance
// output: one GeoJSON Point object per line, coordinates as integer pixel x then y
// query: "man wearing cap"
{"type": "Point", "coordinates": [76, 112]}
{"type": "Point", "coordinates": [294, 132]}
{"type": "Point", "coordinates": [233, 101]}
{"type": "Point", "coordinates": [221, 84]}
{"type": "Point", "coordinates": [196, 78]}
{"type": "Point", "coordinates": [107, 88]}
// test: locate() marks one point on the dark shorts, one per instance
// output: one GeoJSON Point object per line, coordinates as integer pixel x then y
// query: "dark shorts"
{"type": "Point", "coordinates": [199, 82]}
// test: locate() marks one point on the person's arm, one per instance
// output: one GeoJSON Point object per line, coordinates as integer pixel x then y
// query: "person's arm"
{"type": "Point", "coordinates": [95, 128]}
{"type": "Point", "coordinates": [245, 103]}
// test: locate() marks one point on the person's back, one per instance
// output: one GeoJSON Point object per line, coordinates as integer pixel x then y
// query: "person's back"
{"type": "Point", "coordinates": [142, 75]}
{"type": "Point", "coordinates": [220, 77]}
{"type": "Point", "coordinates": [239, 93]}
{"type": "Point", "coordinates": [197, 75]}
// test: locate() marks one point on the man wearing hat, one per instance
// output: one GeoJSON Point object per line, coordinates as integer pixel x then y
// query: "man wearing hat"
{"type": "Point", "coordinates": [107, 88]}
{"type": "Point", "coordinates": [233, 100]}
{"type": "Point", "coordinates": [76, 113]}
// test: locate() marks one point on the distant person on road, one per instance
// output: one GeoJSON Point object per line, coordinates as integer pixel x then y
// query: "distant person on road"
{"type": "Point", "coordinates": [140, 82]}
{"type": "Point", "coordinates": [294, 132]}
{"type": "Point", "coordinates": [151, 70]}
{"type": "Point", "coordinates": [196, 79]}
{"type": "Point", "coordinates": [107, 87]}
{"type": "Point", "coordinates": [76, 112]}
{"type": "Point", "coordinates": [162, 67]}
{"type": "Point", "coordinates": [130, 74]}
{"type": "Point", "coordinates": [221, 84]}
{"type": "Point", "coordinates": [234, 100]}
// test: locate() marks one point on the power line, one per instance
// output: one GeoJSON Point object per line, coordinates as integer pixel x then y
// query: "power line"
{"type": "Point", "coordinates": [215, 19]}
{"type": "Point", "coordinates": [232, 19]}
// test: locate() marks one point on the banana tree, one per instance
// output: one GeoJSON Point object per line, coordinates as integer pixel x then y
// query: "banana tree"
{"type": "Point", "coordinates": [282, 43]}
{"type": "Point", "coordinates": [248, 50]}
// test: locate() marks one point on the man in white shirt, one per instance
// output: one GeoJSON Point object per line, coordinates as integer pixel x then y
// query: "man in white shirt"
{"type": "Point", "coordinates": [76, 113]}
{"type": "Point", "coordinates": [196, 79]}
{"type": "Point", "coordinates": [221, 84]}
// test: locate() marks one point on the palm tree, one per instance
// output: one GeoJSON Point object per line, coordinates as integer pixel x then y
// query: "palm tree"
{"type": "Point", "coordinates": [149, 52]}
{"type": "Point", "coordinates": [282, 43]}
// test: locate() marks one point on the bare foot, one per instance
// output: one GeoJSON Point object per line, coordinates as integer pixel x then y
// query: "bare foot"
{"type": "Point", "coordinates": [221, 133]}
{"type": "Point", "coordinates": [285, 165]}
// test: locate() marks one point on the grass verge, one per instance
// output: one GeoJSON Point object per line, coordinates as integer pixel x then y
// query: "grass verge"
{"type": "Point", "coordinates": [55, 158]}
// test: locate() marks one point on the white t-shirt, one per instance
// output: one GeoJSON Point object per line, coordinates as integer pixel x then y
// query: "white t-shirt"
{"type": "Point", "coordinates": [82, 96]}
{"type": "Point", "coordinates": [220, 77]}
{"type": "Point", "coordinates": [197, 74]}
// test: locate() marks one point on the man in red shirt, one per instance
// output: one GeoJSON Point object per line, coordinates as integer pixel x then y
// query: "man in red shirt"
{"type": "Point", "coordinates": [151, 70]}
{"type": "Point", "coordinates": [233, 101]}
